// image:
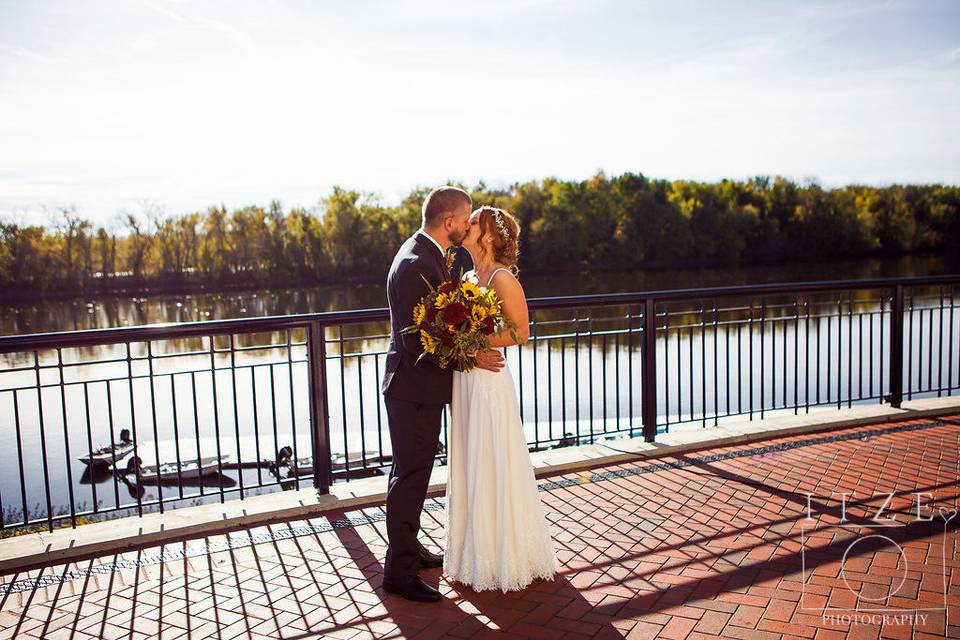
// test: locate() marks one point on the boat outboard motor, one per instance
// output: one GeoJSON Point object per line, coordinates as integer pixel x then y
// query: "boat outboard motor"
{"type": "Point", "coordinates": [284, 455]}
{"type": "Point", "coordinates": [133, 465]}
{"type": "Point", "coordinates": [125, 436]}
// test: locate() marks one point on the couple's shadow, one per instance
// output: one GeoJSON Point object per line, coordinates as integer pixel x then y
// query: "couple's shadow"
{"type": "Point", "coordinates": [461, 607]}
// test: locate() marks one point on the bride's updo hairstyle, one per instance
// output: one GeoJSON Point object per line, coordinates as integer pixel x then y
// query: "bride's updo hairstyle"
{"type": "Point", "coordinates": [503, 230]}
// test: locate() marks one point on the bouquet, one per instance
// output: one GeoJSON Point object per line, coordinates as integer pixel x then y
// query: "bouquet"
{"type": "Point", "coordinates": [455, 321]}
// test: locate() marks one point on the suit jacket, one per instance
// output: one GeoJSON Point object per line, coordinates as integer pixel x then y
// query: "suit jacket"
{"type": "Point", "coordinates": [403, 377]}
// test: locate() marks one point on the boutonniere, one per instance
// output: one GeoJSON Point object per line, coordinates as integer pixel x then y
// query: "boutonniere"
{"type": "Point", "coordinates": [450, 256]}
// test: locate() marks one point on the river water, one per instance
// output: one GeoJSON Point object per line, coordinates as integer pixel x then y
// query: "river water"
{"type": "Point", "coordinates": [254, 401]}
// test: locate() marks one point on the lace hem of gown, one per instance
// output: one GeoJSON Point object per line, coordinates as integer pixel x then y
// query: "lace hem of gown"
{"type": "Point", "coordinates": [541, 564]}
{"type": "Point", "coordinates": [486, 578]}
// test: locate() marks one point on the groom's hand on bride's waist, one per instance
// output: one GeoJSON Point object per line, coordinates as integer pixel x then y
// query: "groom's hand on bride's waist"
{"type": "Point", "coordinates": [489, 359]}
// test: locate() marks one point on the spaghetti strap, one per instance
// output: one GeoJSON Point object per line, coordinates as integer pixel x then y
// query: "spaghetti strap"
{"type": "Point", "coordinates": [490, 279]}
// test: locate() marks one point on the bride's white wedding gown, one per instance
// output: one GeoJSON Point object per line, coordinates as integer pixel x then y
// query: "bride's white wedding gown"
{"type": "Point", "coordinates": [497, 534]}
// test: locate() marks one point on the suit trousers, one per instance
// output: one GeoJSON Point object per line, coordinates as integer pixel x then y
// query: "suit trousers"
{"type": "Point", "coordinates": [415, 436]}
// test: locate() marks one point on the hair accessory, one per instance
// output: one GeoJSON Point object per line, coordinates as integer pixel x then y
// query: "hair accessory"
{"type": "Point", "coordinates": [498, 218]}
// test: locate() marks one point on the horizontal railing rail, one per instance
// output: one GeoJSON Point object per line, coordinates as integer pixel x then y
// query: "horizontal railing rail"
{"type": "Point", "coordinates": [48, 340]}
{"type": "Point", "coordinates": [231, 408]}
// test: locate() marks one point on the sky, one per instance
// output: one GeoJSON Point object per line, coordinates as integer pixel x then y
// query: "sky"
{"type": "Point", "coordinates": [117, 106]}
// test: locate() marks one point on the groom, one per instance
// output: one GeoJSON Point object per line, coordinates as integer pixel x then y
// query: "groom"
{"type": "Point", "coordinates": [415, 393]}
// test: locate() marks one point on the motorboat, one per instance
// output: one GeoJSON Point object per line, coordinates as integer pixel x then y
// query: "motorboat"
{"type": "Point", "coordinates": [111, 454]}
{"type": "Point", "coordinates": [186, 469]}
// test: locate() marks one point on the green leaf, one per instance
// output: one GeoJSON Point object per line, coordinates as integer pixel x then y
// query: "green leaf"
{"type": "Point", "coordinates": [429, 286]}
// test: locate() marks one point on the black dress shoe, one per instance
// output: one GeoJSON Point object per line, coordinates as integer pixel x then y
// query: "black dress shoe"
{"type": "Point", "coordinates": [430, 560]}
{"type": "Point", "coordinates": [411, 588]}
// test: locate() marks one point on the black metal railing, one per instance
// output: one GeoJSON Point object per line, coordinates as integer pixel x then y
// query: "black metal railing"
{"type": "Point", "coordinates": [231, 408]}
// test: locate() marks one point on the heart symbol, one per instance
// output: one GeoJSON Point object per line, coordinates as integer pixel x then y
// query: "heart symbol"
{"type": "Point", "coordinates": [947, 514]}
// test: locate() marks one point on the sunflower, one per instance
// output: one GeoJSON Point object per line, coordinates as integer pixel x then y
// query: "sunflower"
{"type": "Point", "coordinates": [419, 312]}
{"type": "Point", "coordinates": [443, 300]}
{"type": "Point", "coordinates": [478, 312]}
{"type": "Point", "coordinates": [470, 291]}
{"type": "Point", "coordinates": [429, 342]}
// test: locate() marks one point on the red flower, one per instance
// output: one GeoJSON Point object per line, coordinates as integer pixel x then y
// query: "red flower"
{"type": "Point", "coordinates": [455, 313]}
{"type": "Point", "coordinates": [448, 286]}
{"type": "Point", "coordinates": [488, 326]}
{"type": "Point", "coordinates": [431, 314]}
{"type": "Point", "coordinates": [446, 340]}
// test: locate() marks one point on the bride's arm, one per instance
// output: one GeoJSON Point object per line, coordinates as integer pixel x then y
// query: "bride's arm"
{"type": "Point", "coordinates": [513, 303]}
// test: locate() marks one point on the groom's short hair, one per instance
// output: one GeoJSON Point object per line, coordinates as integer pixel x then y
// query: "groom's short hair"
{"type": "Point", "coordinates": [443, 201]}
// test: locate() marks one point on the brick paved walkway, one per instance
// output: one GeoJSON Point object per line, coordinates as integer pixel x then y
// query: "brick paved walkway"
{"type": "Point", "coordinates": [703, 545]}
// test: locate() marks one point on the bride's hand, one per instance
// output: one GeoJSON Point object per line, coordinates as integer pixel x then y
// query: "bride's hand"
{"type": "Point", "coordinates": [490, 359]}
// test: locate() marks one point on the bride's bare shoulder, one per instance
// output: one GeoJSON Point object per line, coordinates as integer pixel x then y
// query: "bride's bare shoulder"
{"type": "Point", "coordinates": [506, 282]}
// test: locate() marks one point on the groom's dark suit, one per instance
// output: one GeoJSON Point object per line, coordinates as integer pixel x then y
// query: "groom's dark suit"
{"type": "Point", "coordinates": [414, 394]}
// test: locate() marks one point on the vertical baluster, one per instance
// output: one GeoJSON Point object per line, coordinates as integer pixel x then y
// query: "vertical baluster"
{"type": "Point", "coordinates": [829, 352]}
{"type": "Point", "coordinates": [319, 412]}
{"type": "Point", "coordinates": [666, 366]}
{"type": "Point", "coordinates": [616, 378]}
{"type": "Point", "coordinates": [950, 348]}
{"type": "Point", "coordinates": [773, 361]}
{"type": "Point", "coordinates": [363, 439]}
{"type": "Point", "coordinates": [196, 419]}
{"type": "Point", "coordinates": [726, 363]}
{"type": "Point", "coordinates": [341, 358]}
{"type": "Point", "coordinates": [576, 373]}
{"type": "Point", "coordinates": [273, 414]}
{"type": "Point", "coordinates": [236, 410]}
{"type": "Point", "coordinates": [630, 371]}
{"type": "Point", "coordinates": [940, 354]}
{"type": "Point", "coordinates": [763, 313]}
{"type": "Point", "coordinates": [86, 422]}
{"type": "Point", "coordinates": [930, 349]}
{"type": "Point", "coordinates": [153, 414]}
{"type": "Point", "coordinates": [703, 367]}
{"type": "Point", "coordinates": [110, 426]}
{"type": "Point", "coordinates": [896, 348]}
{"type": "Point", "coordinates": [256, 423]}
{"type": "Point", "coordinates": [649, 372]}
{"type": "Point", "coordinates": [806, 359]}
{"type": "Point", "coordinates": [550, 389]}
{"type": "Point", "coordinates": [133, 424]}
{"type": "Point", "coordinates": [176, 434]}
{"type": "Point", "coordinates": [603, 383]}
{"type": "Point", "coordinates": [376, 375]}
{"type": "Point", "coordinates": [690, 387]}
{"type": "Point", "coordinates": [563, 388]}
{"type": "Point", "coordinates": [535, 340]}
{"type": "Point", "coordinates": [739, 368]}
{"type": "Point", "coordinates": [293, 412]}
{"type": "Point", "coordinates": [883, 300]}
{"type": "Point", "coordinates": [20, 467]}
{"type": "Point", "coordinates": [589, 373]}
{"type": "Point", "coordinates": [910, 351]}
{"type": "Point", "coordinates": [849, 348]}
{"type": "Point", "coordinates": [216, 415]}
{"type": "Point", "coordinates": [796, 355]}
{"type": "Point", "coordinates": [716, 384]}
{"type": "Point", "coordinates": [870, 347]}
{"type": "Point", "coordinates": [66, 439]}
{"type": "Point", "coordinates": [750, 360]}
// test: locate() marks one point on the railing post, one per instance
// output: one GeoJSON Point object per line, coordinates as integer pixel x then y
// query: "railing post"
{"type": "Point", "coordinates": [648, 395]}
{"type": "Point", "coordinates": [319, 416]}
{"type": "Point", "coordinates": [896, 348]}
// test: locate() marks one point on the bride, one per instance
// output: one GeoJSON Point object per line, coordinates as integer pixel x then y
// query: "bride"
{"type": "Point", "coordinates": [497, 534]}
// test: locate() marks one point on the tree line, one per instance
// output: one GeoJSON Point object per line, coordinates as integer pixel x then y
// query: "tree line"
{"type": "Point", "coordinates": [604, 223]}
